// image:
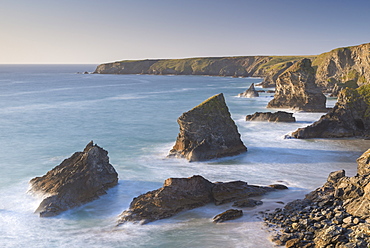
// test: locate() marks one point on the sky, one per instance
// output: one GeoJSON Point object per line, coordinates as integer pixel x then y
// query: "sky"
{"type": "Point", "coordinates": [99, 31]}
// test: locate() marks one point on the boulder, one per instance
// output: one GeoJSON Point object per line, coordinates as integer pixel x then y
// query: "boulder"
{"type": "Point", "coordinates": [363, 163]}
{"type": "Point", "coordinates": [279, 116]}
{"type": "Point", "coordinates": [249, 93]}
{"type": "Point", "coordinates": [177, 194]}
{"type": "Point", "coordinates": [296, 89]}
{"type": "Point", "coordinates": [207, 132]}
{"type": "Point", "coordinates": [230, 214]}
{"type": "Point", "coordinates": [350, 117]}
{"type": "Point", "coordinates": [77, 180]}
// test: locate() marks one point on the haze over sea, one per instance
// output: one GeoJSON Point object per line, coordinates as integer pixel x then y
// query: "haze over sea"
{"type": "Point", "coordinates": [48, 112]}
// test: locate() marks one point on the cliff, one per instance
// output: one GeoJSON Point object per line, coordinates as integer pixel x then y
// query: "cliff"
{"type": "Point", "coordinates": [243, 66]}
{"type": "Point", "coordinates": [350, 117]}
{"type": "Point", "coordinates": [343, 65]}
{"type": "Point", "coordinates": [339, 66]}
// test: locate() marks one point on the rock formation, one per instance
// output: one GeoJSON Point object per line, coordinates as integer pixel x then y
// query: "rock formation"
{"type": "Point", "coordinates": [350, 117]}
{"type": "Point", "coordinates": [77, 180]}
{"type": "Point", "coordinates": [334, 215]}
{"type": "Point", "coordinates": [178, 194]}
{"type": "Point", "coordinates": [279, 116]}
{"type": "Point", "coordinates": [207, 132]}
{"type": "Point", "coordinates": [250, 92]}
{"type": "Point", "coordinates": [296, 89]}
{"type": "Point", "coordinates": [230, 214]}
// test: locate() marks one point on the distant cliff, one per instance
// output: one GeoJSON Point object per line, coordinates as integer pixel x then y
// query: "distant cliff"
{"type": "Point", "coordinates": [245, 66]}
{"type": "Point", "coordinates": [339, 67]}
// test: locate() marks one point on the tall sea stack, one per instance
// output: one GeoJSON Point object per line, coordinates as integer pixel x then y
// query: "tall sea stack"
{"type": "Point", "coordinates": [296, 89]}
{"type": "Point", "coordinates": [207, 132]}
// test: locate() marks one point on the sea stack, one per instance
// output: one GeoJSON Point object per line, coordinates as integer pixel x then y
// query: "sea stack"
{"type": "Point", "coordinates": [77, 180]}
{"type": "Point", "coordinates": [296, 89]}
{"type": "Point", "coordinates": [249, 93]}
{"type": "Point", "coordinates": [350, 117]}
{"type": "Point", "coordinates": [207, 132]}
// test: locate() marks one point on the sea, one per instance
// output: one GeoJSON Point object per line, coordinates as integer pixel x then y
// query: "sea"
{"type": "Point", "coordinates": [48, 112]}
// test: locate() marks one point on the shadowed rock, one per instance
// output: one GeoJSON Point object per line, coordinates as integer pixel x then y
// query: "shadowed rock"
{"type": "Point", "coordinates": [296, 89]}
{"type": "Point", "coordinates": [77, 180]}
{"type": "Point", "coordinates": [230, 214]}
{"type": "Point", "coordinates": [279, 116]}
{"type": "Point", "coordinates": [178, 194]}
{"type": "Point", "coordinates": [249, 93]}
{"type": "Point", "coordinates": [350, 117]}
{"type": "Point", "coordinates": [207, 132]}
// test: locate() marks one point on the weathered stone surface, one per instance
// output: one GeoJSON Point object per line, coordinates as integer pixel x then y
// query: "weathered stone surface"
{"type": "Point", "coordinates": [363, 163]}
{"type": "Point", "coordinates": [232, 191]}
{"type": "Point", "coordinates": [296, 89]}
{"type": "Point", "coordinates": [334, 215]}
{"type": "Point", "coordinates": [230, 214]}
{"type": "Point", "coordinates": [207, 132]}
{"type": "Point", "coordinates": [247, 203]}
{"type": "Point", "coordinates": [77, 180]}
{"type": "Point", "coordinates": [279, 116]}
{"type": "Point", "coordinates": [350, 117]}
{"type": "Point", "coordinates": [250, 92]}
{"type": "Point", "coordinates": [177, 194]}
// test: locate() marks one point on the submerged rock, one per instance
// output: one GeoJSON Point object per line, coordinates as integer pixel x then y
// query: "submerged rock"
{"type": "Point", "coordinates": [249, 93]}
{"type": "Point", "coordinates": [350, 117]}
{"type": "Point", "coordinates": [207, 132]}
{"type": "Point", "coordinates": [296, 89]}
{"type": "Point", "coordinates": [279, 116]}
{"type": "Point", "coordinates": [77, 180]}
{"type": "Point", "coordinates": [178, 194]}
{"type": "Point", "coordinates": [230, 214]}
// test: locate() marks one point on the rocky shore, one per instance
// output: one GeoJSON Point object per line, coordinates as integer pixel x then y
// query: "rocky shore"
{"type": "Point", "coordinates": [334, 215]}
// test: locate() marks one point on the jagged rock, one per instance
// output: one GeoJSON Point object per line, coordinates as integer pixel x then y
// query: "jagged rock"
{"type": "Point", "coordinates": [279, 116]}
{"type": "Point", "coordinates": [334, 215]}
{"type": "Point", "coordinates": [230, 214]}
{"type": "Point", "coordinates": [363, 163]}
{"type": "Point", "coordinates": [250, 92]}
{"type": "Point", "coordinates": [77, 180]}
{"type": "Point", "coordinates": [350, 117]}
{"type": "Point", "coordinates": [177, 194]}
{"type": "Point", "coordinates": [232, 191]}
{"type": "Point", "coordinates": [296, 89]}
{"type": "Point", "coordinates": [207, 132]}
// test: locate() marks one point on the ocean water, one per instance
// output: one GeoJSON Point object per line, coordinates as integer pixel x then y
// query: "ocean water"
{"type": "Point", "coordinates": [48, 112]}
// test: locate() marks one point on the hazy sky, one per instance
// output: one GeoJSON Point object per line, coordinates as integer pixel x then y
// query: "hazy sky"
{"type": "Point", "coordinates": [97, 31]}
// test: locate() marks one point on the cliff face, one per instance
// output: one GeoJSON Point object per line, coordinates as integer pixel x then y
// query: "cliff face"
{"type": "Point", "coordinates": [350, 117]}
{"type": "Point", "coordinates": [296, 89]}
{"type": "Point", "coordinates": [245, 66]}
{"type": "Point", "coordinates": [342, 65]}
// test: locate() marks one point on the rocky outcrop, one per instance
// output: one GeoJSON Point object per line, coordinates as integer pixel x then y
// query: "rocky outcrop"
{"type": "Point", "coordinates": [178, 194]}
{"type": "Point", "coordinates": [279, 116]}
{"type": "Point", "coordinates": [296, 89]}
{"type": "Point", "coordinates": [350, 117]}
{"type": "Point", "coordinates": [207, 132]}
{"type": "Point", "coordinates": [270, 77]}
{"type": "Point", "coordinates": [230, 214]}
{"type": "Point", "coordinates": [341, 65]}
{"type": "Point", "coordinates": [250, 92]}
{"type": "Point", "coordinates": [334, 215]}
{"type": "Point", "coordinates": [77, 180]}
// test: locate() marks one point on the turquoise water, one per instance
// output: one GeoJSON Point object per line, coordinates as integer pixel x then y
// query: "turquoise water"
{"type": "Point", "coordinates": [47, 112]}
